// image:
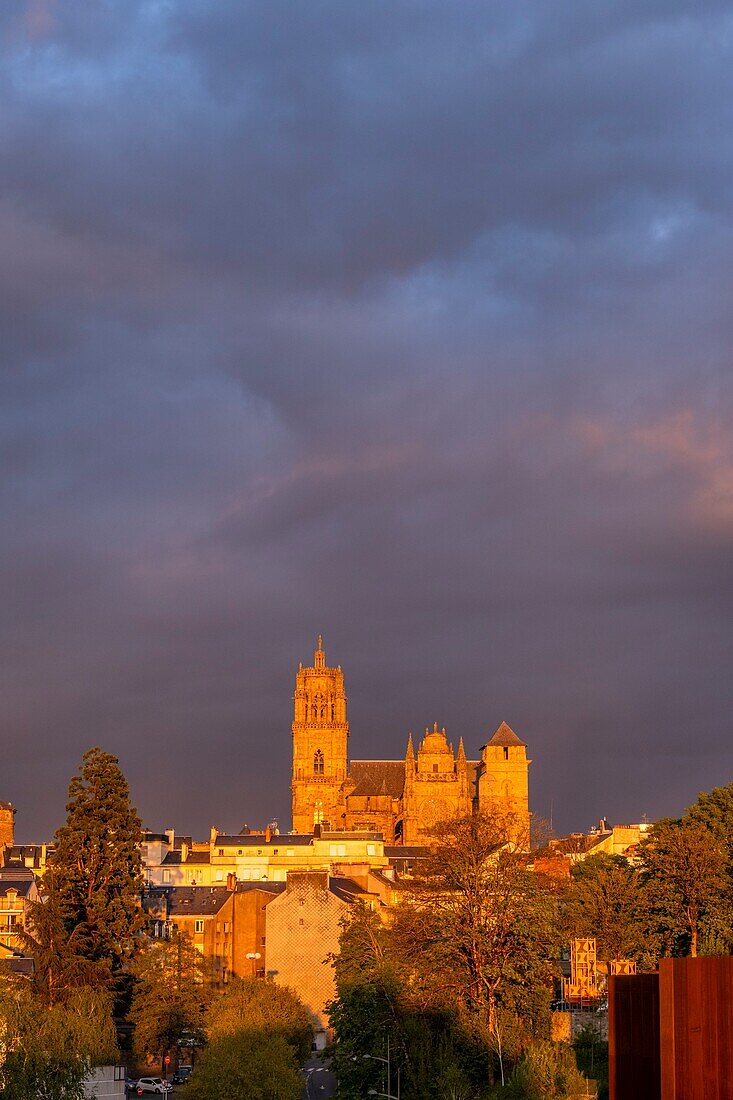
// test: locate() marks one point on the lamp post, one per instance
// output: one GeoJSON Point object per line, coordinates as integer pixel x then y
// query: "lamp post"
{"type": "Point", "coordinates": [376, 1058]}
{"type": "Point", "coordinates": [253, 956]}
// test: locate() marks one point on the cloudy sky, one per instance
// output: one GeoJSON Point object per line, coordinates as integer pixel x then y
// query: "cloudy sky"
{"type": "Point", "coordinates": [405, 322]}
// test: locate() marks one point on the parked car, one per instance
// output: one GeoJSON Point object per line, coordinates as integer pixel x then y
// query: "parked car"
{"type": "Point", "coordinates": [182, 1075]}
{"type": "Point", "coordinates": [152, 1084]}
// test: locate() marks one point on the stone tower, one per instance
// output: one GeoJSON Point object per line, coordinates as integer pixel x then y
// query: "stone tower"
{"type": "Point", "coordinates": [320, 745]}
{"type": "Point", "coordinates": [7, 827]}
{"type": "Point", "coordinates": [503, 781]}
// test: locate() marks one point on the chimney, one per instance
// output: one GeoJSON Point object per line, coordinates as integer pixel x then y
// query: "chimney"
{"type": "Point", "coordinates": [268, 835]}
{"type": "Point", "coordinates": [184, 852]}
{"type": "Point", "coordinates": [171, 834]}
{"type": "Point", "coordinates": [214, 834]}
{"type": "Point", "coordinates": [231, 882]}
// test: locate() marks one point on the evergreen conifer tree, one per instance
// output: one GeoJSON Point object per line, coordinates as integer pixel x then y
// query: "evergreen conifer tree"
{"type": "Point", "coordinates": [94, 873]}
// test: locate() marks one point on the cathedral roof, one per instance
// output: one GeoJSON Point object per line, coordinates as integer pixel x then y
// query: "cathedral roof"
{"type": "Point", "coordinates": [435, 741]}
{"type": "Point", "coordinates": [373, 777]}
{"type": "Point", "coordinates": [505, 735]}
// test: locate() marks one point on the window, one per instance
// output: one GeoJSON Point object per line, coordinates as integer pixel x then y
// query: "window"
{"type": "Point", "coordinates": [198, 927]}
{"type": "Point", "coordinates": [219, 876]}
{"type": "Point", "coordinates": [221, 851]}
{"type": "Point", "coordinates": [166, 876]}
{"type": "Point", "coordinates": [226, 928]}
{"type": "Point", "coordinates": [337, 849]}
{"type": "Point", "coordinates": [318, 813]}
{"type": "Point", "coordinates": [239, 852]}
{"type": "Point", "coordinates": [318, 762]}
{"type": "Point", "coordinates": [506, 754]}
{"type": "Point", "coordinates": [290, 852]}
{"type": "Point", "coordinates": [371, 849]}
{"type": "Point", "coordinates": [435, 767]}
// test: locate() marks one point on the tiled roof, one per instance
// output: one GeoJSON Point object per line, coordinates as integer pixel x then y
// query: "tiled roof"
{"type": "Point", "coordinates": [174, 856]}
{"type": "Point", "coordinates": [21, 886]}
{"type": "Point", "coordinates": [258, 840]}
{"type": "Point", "coordinates": [345, 888]}
{"type": "Point", "coordinates": [373, 777]}
{"type": "Point", "coordinates": [505, 735]}
{"type": "Point", "coordinates": [196, 901]}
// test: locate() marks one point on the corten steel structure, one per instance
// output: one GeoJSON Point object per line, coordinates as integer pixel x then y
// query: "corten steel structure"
{"type": "Point", "coordinates": [633, 1037]}
{"type": "Point", "coordinates": [670, 1034]}
{"type": "Point", "coordinates": [696, 1028]}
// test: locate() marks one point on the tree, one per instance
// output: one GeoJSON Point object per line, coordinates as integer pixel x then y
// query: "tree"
{"type": "Point", "coordinates": [259, 1033]}
{"type": "Point", "coordinates": [607, 900]}
{"type": "Point", "coordinates": [714, 810]}
{"type": "Point", "coordinates": [49, 1051]}
{"type": "Point", "coordinates": [169, 997]}
{"type": "Point", "coordinates": [95, 868]}
{"type": "Point", "coordinates": [546, 1071]}
{"type": "Point", "coordinates": [488, 922]}
{"type": "Point", "coordinates": [59, 968]}
{"type": "Point", "coordinates": [246, 1063]}
{"type": "Point", "coordinates": [249, 1004]}
{"type": "Point", "coordinates": [684, 869]}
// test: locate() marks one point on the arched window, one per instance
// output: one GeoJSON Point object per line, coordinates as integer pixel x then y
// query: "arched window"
{"type": "Point", "coordinates": [318, 813]}
{"type": "Point", "coordinates": [318, 762]}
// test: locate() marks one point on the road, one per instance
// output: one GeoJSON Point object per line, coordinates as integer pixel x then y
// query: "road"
{"type": "Point", "coordinates": [320, 1083]}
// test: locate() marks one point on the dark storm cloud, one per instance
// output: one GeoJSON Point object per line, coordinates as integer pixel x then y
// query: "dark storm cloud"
{"type": "Point", "coordinates": [409, 323]}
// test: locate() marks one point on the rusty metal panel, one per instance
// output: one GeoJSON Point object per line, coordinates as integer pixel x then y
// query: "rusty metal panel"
{"type": "Point", "coordinates": [633, 1037]}
{"type": "Point", "coordinates": [696, 1006]}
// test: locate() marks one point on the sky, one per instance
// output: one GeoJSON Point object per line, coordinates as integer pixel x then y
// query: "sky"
{"type": "Point", "coordinates": [407, 323]}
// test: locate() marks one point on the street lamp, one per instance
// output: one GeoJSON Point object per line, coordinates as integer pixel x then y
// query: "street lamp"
{"type": "Point", "coordinates": [253, 956]}
{"type": "Point", "coordinates": [376, 1058]}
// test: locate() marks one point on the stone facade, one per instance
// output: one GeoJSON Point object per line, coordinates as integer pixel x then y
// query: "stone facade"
{"type": "Point", "coordinates": [7, 826]}
{"type": "Point", "coordinates": [402, 799]}
{"type": "Point", "coordinates": [303, 929]}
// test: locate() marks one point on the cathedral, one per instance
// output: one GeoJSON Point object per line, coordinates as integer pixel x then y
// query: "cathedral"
{"type": "Point", "coordinates": [402, 799]}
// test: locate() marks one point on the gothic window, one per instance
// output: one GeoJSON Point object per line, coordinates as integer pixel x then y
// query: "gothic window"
{"type": "Point", "coordinates": [318, 813]}
{"type": "Point", "coordinates": [333, 712]}
{"type": "Point", "coordinates": [314, 712]}
{"type": "Point", "coordinates": [318, 762]}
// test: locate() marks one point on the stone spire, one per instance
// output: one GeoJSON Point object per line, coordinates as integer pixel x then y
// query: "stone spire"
{"type": "Point", "coordinates": [461, 758]}
{"type": "Point", "coordinates": [410, 754]}
{"type": "Point", "coordinates": [319, 658]}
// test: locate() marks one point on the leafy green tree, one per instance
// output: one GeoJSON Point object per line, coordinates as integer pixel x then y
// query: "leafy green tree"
{"type": "Point", "coordinates": [259, 1033]}
{"type": "Point", "coordinates": [714, 810]}
{"type": "Point", "coordinates": [95, 869]}
{"type": "Point", "coordinates": [248, 1064]}
{"type": "Point", "coordinates": [607, 899]}
{"type": "Point", "coordinates": [252, 1005]}
{"type": "Point", "coordinates": [50, 1051]}
{"type": "Point", "coordinates": [546, 1071]}
{"type": "Point", "coordinates": [486, 921]}
{"type": "Point", "coordinates": [170, 995]}
{"type": "Point", "coordinates": [687, 885]}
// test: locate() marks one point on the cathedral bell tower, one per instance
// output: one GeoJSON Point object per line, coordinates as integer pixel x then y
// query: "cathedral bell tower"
{"type": "Point", "coordinates": [320, 745]}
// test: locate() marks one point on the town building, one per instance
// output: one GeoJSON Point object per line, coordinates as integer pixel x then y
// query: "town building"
{"type": "Point", "coordinates": [287, 931]}
{"type": "Point", "coordinates": [170, 860]}
{"type": "Point", "coordinates": [402, 799]}
{"type": "Point", "coordinates": [18, 889]}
